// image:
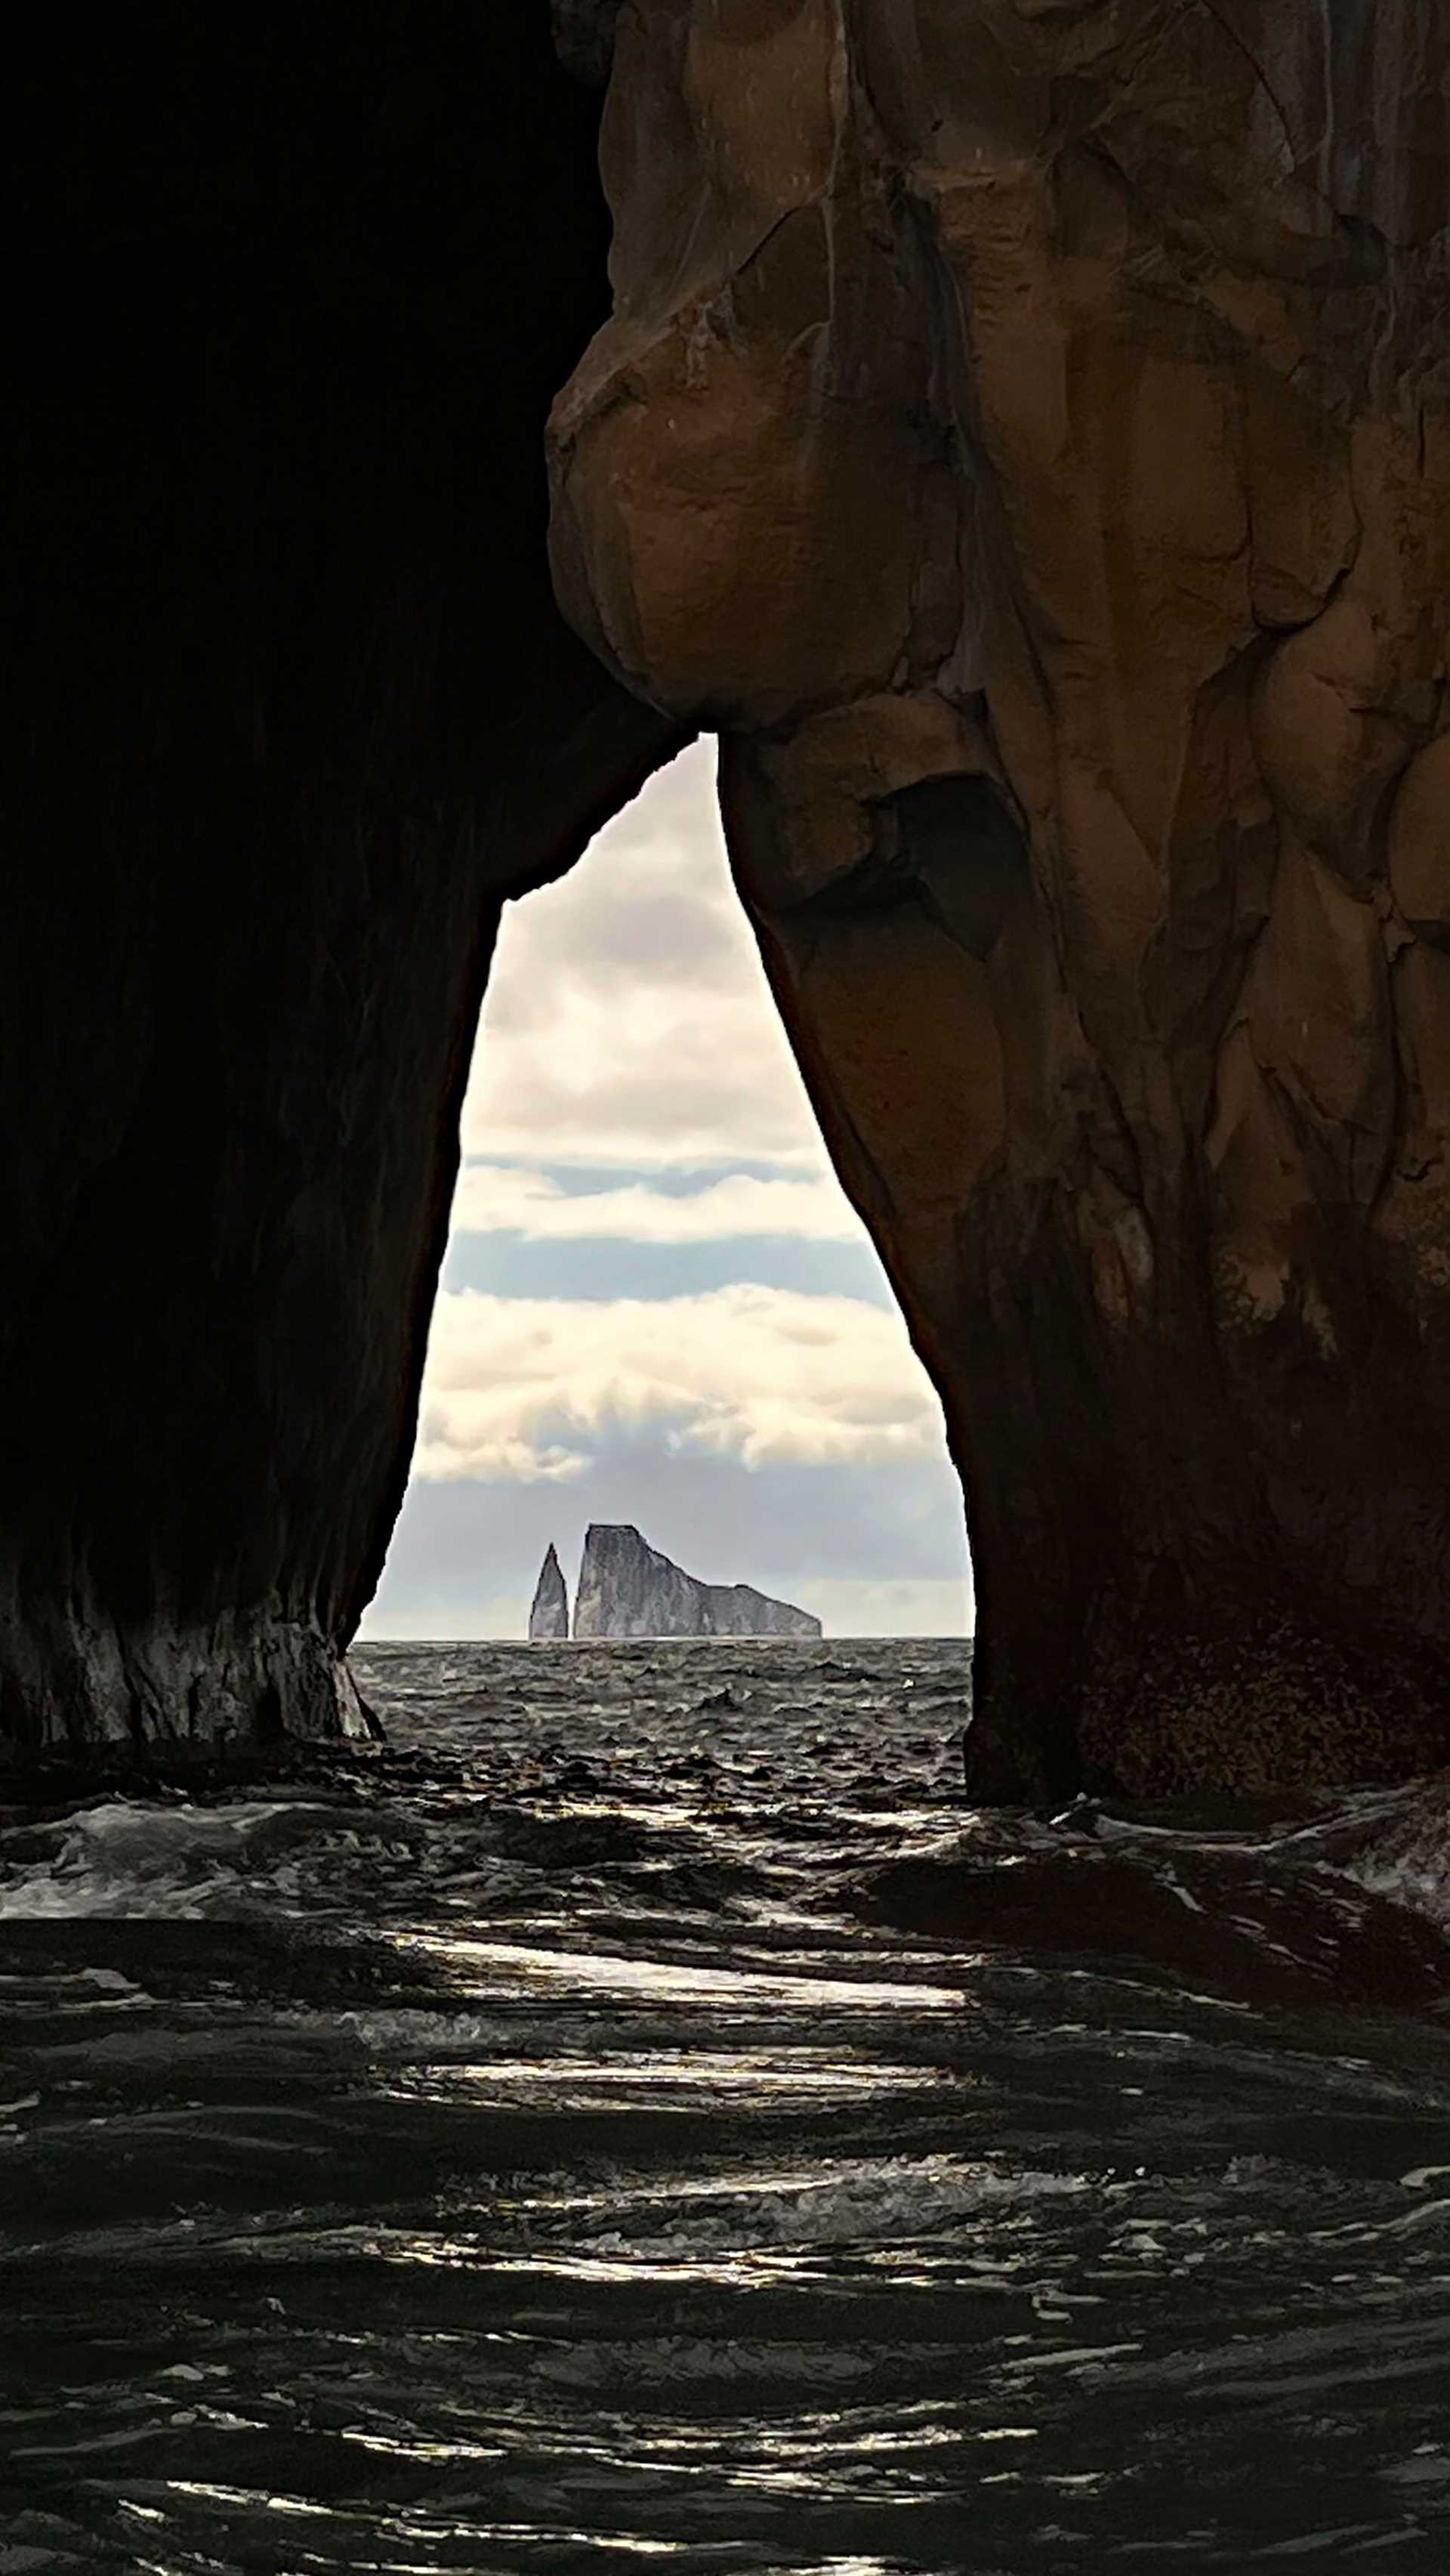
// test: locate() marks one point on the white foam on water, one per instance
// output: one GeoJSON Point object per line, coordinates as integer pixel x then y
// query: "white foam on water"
{"type": "Point", "coordinates": [892, 2199]}
{"type": "Point", "coordinates": [521, 1968]}
{"type": "Point", "coordinates": [1411, 1867]}
{"type": "Point", "coordinates": [411, 2031]}
{"type": "Point", "coordinates": [122, 1858]}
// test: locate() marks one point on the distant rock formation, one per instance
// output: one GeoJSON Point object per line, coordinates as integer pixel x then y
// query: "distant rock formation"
{"type": "Point", "coordinates": [549, 1617]}
{"type": "Point", "coordinates": [627, 1589]}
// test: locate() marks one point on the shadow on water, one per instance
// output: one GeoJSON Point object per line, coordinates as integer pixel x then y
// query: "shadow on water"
{"type": "Point", "coordinates": [642, 2115]}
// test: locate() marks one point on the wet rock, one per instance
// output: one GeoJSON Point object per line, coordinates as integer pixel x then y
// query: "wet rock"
{"type": "Point", "coordinates": [1269, 1937]}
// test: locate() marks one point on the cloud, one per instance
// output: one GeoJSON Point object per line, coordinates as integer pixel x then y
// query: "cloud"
{"type": "Point", "coordinates": [526, 1388]}
{"type": "Point", "coordinates": [503, 1615]}
{"type": "Point", "coordinates": [628, 1019]}
{"type": "Point", "coordinates": [501, 1198]}
{"type": "Point", "coordinates": [893, 1609]}
{"type": "Point", "coordinates": [625, 1333]}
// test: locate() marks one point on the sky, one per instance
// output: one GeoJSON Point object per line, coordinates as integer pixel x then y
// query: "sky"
{"type": "Point", "coordinates": [657, 1305]}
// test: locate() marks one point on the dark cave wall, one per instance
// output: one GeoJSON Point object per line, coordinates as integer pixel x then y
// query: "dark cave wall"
{"type": "Point", "coordinates": [288, 709]}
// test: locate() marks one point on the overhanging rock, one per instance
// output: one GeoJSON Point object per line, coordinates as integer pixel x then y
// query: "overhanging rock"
{"type": "Point", "coordinates": [1023, 432]}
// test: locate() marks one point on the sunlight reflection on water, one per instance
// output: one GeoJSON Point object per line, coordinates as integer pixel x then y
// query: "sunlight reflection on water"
{"type": "Point", "coordinates": [567, 1971]}
{"type": "Point", "coordinates": [440, 2170]}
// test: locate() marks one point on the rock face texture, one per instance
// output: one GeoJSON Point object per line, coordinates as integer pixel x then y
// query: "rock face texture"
{"type": "Point", "coordinates": [549, 1616]}
{"type": "Point", "coordinates": [288, 709]}
{"type": "Point", "coordinates": [627, 1589]}
{"type": "Point", "coordinates": [1022, 431]}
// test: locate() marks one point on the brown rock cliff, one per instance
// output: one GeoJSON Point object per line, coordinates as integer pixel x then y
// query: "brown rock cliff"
{"type": "Point", "coordinates": [1021, 430]}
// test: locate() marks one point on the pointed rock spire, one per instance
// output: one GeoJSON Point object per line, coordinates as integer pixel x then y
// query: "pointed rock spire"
{"type": "Point", "coordinates": [549, 1617]}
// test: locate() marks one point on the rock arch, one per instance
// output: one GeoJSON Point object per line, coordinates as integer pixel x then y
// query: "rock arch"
{"type": "Point", "coordinates": [1021, 431]}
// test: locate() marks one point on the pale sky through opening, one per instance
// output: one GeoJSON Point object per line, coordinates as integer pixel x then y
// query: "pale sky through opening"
{"type": "Point", "coordinates": [657, 1305]}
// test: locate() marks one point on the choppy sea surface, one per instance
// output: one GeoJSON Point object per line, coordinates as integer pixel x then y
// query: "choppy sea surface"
{"type": "Point", "coordinates": [644, 2118]}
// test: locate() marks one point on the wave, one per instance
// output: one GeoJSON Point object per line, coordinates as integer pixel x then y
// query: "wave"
{"type": "Point", "coordinates": [125, 1857]}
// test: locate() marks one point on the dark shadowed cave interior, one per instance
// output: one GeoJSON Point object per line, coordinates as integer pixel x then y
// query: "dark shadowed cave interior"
{"type": "Point", "coordinates": [290, 708]}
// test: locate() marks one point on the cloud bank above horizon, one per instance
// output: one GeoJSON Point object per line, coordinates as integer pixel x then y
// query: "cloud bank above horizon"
{"type": "Point", "coordinates": [528, 1387]}
{"type": "Point", "coordinates": [627, 1021]}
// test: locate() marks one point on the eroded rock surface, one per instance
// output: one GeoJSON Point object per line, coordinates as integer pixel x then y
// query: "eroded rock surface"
{"type": "Point", "coordinates": [549, 1614]}
{"type": "Point", "coordinates": [1022, 431]}
{"type": "Point", "coordinates": [627, 1589]}
{"type": "Point", "coordinates": [288, 709]}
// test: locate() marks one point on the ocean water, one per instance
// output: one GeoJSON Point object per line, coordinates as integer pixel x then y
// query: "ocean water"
{"type": "Point", "coordinates": [644, 2118]}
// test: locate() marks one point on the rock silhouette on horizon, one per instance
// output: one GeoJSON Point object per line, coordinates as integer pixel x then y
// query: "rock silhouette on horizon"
{"type": "Point", "coordinates": [628, 1589]}
{"type": "Point", "coordinates": [549, 1617]}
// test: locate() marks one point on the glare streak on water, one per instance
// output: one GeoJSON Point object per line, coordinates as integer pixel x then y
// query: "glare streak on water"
{"type": "Point", "coordinates": [645, 2117]}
